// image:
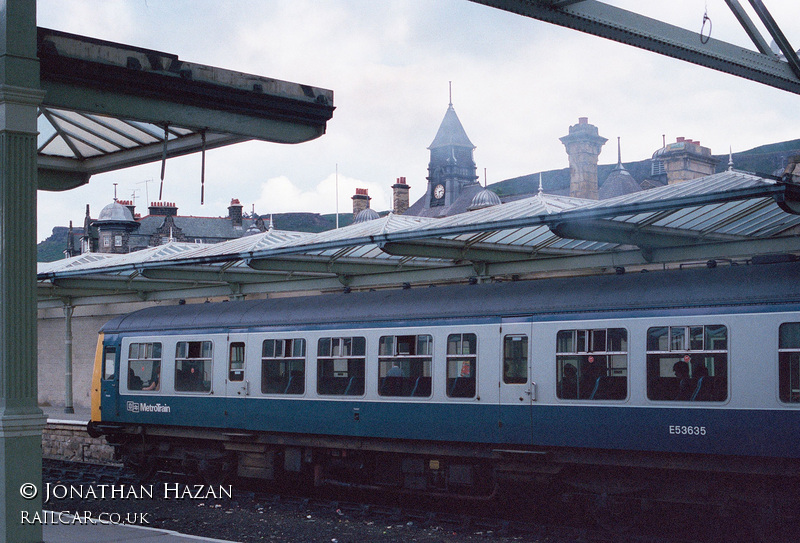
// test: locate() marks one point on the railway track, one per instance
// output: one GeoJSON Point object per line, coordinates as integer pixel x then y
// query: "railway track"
{"type": "Point", "coordinates": [251, 514]}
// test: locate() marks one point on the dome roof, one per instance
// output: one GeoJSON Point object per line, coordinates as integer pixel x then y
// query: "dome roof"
{"type": "Point", "coordinates": [619, 182]}
{"type": "Point", "coordinates": [115, 212]}
{"type": "Point", "coordinates": [366, 215]}
{"type": "Point", "coordinates": [484, 198]}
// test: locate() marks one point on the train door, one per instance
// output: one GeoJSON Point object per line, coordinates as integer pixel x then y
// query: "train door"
{"type": "Point", "coordinates": [109, 384]}
{"type": "Point", "coordinates": [237, 385]}
{"type": "Point", "coordinates": [517, 387]}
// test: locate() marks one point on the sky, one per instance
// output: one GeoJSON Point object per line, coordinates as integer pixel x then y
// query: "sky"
{"type": "Point", "coordinates": [517, 86]}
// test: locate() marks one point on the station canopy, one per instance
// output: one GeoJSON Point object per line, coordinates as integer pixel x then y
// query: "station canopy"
{"type": "Point", "coordinates": [728, 217]}
{"type": "Point", "coordinates": [109, 106]}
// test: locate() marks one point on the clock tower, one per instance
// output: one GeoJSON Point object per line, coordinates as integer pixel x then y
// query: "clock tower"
{"type": "Point", "coordinates": [452, 166]}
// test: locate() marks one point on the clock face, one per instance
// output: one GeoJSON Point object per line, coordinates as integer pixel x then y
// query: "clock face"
{"type": "Point", "coordinates": [438, 191]}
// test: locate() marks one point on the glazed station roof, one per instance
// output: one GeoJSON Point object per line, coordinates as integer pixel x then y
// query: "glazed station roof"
{"type": "Point", "coordinates": [730, 215]}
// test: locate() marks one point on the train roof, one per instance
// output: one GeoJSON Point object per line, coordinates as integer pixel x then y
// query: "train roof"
{"type": "Point", "coordinates": [724, 286]}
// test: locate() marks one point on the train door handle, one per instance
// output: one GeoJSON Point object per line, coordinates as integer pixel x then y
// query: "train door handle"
{"type": "Point", "coordinates": [532, 391]}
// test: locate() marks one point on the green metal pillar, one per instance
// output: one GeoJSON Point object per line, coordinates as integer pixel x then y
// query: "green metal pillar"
{"type": "Point", "coordinates": [21, 420]}
{"type": "Point", "coordinates": [68, 311]}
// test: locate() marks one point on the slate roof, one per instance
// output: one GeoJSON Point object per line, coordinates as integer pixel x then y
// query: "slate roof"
{"type": "Point", "coordinates": [451, 132]}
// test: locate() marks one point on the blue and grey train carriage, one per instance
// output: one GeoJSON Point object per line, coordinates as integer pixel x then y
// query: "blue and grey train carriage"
{"type": "Point", "coordinates": [682, 384]}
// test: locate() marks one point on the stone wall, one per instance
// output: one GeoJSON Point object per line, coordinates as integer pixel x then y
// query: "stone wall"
{"type": "Point", "coordinates": [68, 440]}
{"type": "Point", "coordinates": [86, 323]}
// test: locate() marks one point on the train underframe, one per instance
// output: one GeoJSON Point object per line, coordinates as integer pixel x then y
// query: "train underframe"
{"type": "Point", "coordinates": [609, 481]}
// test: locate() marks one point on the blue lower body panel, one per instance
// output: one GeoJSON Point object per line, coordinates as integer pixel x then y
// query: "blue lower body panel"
{"type": "Point", "coordinates": [764, 433]}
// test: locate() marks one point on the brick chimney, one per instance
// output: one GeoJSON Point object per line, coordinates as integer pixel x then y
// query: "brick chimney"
{"type": "Point", "coordinates": [400, 196]}
{"type": "Point", "coordinates": [163, 209]}
{"type": "Point", "coordinates": [686, 159]}
{"type": "Point", "coordinates": [360, 201]}
{"type": "Point", "coordinates": [583, 145]}
{"type": "Point", "coordinates": [235, 213]}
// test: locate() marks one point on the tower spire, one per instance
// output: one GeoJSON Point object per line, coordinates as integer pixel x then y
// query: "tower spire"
{"type": "Point", "coordinates": [450, 83]}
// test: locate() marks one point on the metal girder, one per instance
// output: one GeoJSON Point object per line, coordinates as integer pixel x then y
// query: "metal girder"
{"type": "Point", "coordinates": [708, 251]}
{"type": "Point", "coordinates": [460, 250]}
{"type": "Point", "coordinates": [326, 265]}
{"type": "Point", "coordinates": [645, 237]}
{"type": "Point", "coordinates": [606, 21]}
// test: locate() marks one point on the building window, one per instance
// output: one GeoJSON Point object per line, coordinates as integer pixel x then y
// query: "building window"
{"type": "Point", "coordinates": [193, 366]}
{"type": "Point", "coordinates": [515, 360]}
{"type": "Point", "coordinates": [144, 366]}
{"type": "Point", "coordinates": [106, 240]}
{"type": "Point", "coordinates": [341, 363]}
{"type": "Point", "coordinates": [789, 362]}
{"type": "Point", "coordinates": [592, 364]}
{"type": "Point", "coordinates": [404, 365]}
{"type": "Point", "coordinates": [687, 363]}
{"type": "Point", "coordinates": [118, 241]}
{"type": "Point", "coordinates": [462, 360]}
{"type": "Point", "coordinates": [283, 366]}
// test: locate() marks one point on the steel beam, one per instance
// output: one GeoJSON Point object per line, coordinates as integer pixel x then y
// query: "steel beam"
{"type": "Point", "coordinates": [606, 21]}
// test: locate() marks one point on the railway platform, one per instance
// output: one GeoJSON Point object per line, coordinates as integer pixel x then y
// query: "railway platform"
{"type": "Point", "coordinates": [97, 532]}
{"type": "Point", "coordinates": [90, 532]}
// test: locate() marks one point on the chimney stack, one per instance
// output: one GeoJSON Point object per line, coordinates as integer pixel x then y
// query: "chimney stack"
{"type": "Point", "coordinates": [163, 209]}
{"type": "Point", "coordinates": [235, 213]}
{"type": "Point", "coordinates": [400, 196]}
{"type": "Point", "coordinates": [360, 201]}
{"type": "Point", "coordinates": [685, 159]}
{"type": "Point", "coordinates": [583, 145]}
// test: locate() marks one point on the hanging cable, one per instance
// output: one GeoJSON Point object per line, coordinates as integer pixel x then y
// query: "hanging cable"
{"type": "Point", "coordinates": [706, 19]}
{"type": "Point", "coordinates": [163, 162]}
{"type": "Point", "coordinates": [202, 166]}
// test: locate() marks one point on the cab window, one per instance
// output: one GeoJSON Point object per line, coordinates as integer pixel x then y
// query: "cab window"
{"type": "Point", "coordinates": [283, 366]}
{"type": "Point", "coordinates": [341, 363]}
{"type": "Point", "coordinates": [592, 364]}
{"type": "Point", "coordinates": [193, 366]}
{"type": "Point", "coordinates": [462, 362]}
{"type": "Point", "coordinates": [109, 363]}
{"type": "Point", "coordinates": [404, 365]}
{"type": "Point", "coordinates": [144, 366]}
{"type": "Point", "coordinates": [789, 362]}
{"type": "Point", "coordinates": [687, 363]}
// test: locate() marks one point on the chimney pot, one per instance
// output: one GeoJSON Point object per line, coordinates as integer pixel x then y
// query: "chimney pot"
{"type": "Point", "coordinates": [583, 120]}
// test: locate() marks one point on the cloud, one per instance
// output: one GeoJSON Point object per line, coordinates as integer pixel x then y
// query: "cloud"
{"type": "Point", "coordinates": [282, 195]}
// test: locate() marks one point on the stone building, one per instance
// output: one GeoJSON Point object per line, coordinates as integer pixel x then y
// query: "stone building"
{"type": "Point", "coordinates": [119, 229]}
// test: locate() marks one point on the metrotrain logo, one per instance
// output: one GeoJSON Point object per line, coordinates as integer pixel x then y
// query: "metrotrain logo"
{"type": "Point", "coordinates": [141, 407]}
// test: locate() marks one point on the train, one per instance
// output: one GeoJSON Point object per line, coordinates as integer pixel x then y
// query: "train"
{"type": "Point", "coordinates": [680, 385]}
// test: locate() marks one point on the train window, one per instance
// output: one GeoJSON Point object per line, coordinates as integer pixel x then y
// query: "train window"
{"type": "Point", "coordinates": [687, 363]}
{"type": "Point", "coordinates": [109, 362]}
{"type": "Point", "coordinates": [789, 362]}
{"type": "Point", "coordinates": [193, 365]}
{"type": "Point", "coordinates": [592, 364]}
{"type": "Point", "coordinates": [515, 360]}
{"type": "Point", "coordinates": [404, 365]}
{"type": "Point", "coordinates": [283, 366]}
{"type": "Point", "coordinates": [462, 350]}
{"type": "Point", "coordinates": [236, 362]}
{"type": "Point", "coordinates": [144, 366]}
{"type": "Point", "coordinates": [341, 364]}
